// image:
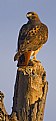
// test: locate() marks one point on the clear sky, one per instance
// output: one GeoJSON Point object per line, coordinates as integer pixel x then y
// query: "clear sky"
{"type": "Point", "coordinates": [12, 17]}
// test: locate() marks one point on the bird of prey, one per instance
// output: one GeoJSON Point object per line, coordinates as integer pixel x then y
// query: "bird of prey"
{"type": "Point", "coordinates": [32, 36]}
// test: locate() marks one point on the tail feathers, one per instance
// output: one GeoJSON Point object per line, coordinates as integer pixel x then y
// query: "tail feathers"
{"type": "Point", "coordinates": [22, 58]}
{"type": "Point", "coordinates": [16, 57]}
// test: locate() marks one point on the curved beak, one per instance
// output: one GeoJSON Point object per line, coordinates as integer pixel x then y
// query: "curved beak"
{"type": "Point", "coordinates": [28, 15]}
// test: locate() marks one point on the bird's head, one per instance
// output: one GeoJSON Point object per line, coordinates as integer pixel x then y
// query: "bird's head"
{"type": "Point", "coordinates": [32, 16]}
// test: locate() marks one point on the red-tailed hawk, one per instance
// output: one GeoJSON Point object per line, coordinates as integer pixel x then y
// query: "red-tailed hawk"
{"type": "Point", "coordinates": [32, 36]}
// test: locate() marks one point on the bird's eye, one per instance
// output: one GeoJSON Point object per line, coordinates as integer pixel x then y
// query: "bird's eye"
{"type": "Point", "coordinates": [32, 13]}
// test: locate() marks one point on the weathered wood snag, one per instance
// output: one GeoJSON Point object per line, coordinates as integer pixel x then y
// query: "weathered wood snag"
{"type": "Point", "coordinates": [30, 92]}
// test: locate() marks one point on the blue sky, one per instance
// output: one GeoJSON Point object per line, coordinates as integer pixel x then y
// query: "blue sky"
{"type": "Point", "coordinates": [12, 17]}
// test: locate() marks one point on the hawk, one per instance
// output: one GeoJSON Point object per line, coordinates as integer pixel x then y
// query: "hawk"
{"type": "Point", "coordinates": [32, 36]}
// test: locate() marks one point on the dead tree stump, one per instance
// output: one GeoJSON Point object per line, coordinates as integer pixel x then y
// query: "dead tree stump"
{"type": "Point", "coordinates": [30, 92]}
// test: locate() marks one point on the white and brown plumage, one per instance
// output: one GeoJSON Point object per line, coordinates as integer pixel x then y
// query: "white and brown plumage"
{"type": "Point", "coordinates": [31, 38]}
